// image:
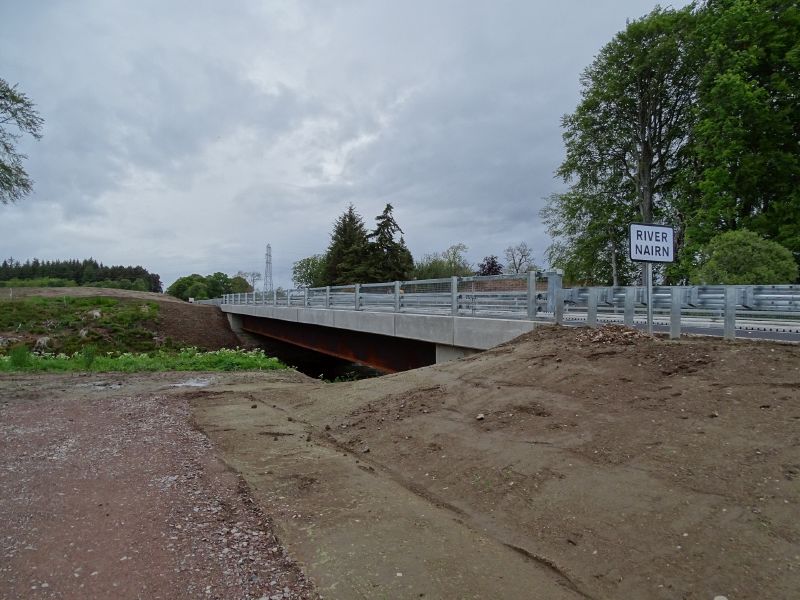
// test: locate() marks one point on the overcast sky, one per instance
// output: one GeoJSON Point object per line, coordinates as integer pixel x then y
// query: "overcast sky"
{"type": "Point", "coordinates": [186, 135]}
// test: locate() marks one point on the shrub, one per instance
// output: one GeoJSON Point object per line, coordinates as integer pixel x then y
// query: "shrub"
{"type": "Point", "coordinates": [745, 258]}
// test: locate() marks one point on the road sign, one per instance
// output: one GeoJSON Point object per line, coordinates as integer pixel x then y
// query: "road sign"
{"type": "Point", "coordinates": [648, 244]}
{"type": "Point", "coordinates": [652, 243]}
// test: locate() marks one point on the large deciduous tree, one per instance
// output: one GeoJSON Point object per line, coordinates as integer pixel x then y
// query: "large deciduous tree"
{"type": "Point", "coordinates": [519, 258]}
{"type": "Point", "coordinates": [18, 116]}
{"type": "Point", "coordinates": [309, 272]}
{"type": "Point", "coordinates": [627, 141]}
{"type": "Point", "coordinates": [748, 132]}
{"type": "Point", "coordinates": [444, 264]}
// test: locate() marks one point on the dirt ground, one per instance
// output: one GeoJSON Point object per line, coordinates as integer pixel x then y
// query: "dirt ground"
{"type": "Point", "coordinates": [569, 463]}
{"type": "Point", "coordinates": [108, 491]}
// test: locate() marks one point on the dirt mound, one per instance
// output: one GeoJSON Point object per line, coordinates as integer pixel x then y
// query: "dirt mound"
{"type": "Point", "coordinates": [630, 467]}
{"type": "Point", "coordinates": [185, 324]}
{"type": "Point", "coordinates": [196, 325]}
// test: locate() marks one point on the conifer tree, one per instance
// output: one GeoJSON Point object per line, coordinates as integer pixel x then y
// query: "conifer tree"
{"type": "Point", "coordinates": [347, 258]}
{"type": "Point", "coordinates": [389, 259]}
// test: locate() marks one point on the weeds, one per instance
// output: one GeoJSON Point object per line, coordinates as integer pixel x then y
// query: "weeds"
{"type": "Point", "coordinates": [187, 359]}
{"type": "Point", "coordinates": [19, 358]}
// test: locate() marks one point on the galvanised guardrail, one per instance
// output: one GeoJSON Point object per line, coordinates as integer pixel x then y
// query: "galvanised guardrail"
{"type": "Point", "coordinates": [541, 297]}
{"type": "Point", "coordinates": [501, 296]}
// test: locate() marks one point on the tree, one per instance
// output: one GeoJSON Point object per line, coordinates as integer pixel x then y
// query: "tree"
{"type": "Point", "coordinates": [190, 286]}
{"type": "Point", "coordinates": [239, 285]}
{"type": "Point", "coordinates": [748, 134]}
{"type": "Point", "coordinates": [635, 114]}
{"type": "Point", "coordinates": [489, 266]}
{"type": "Point", "coordinates": [347, 257]}
{"type": "Point", "coordinates": [17, 117]}
{"type": "Point", "coordinates": [745, 258]}
{"type": "Point", "coordinates": [451, 262]}
{"type": "Point", "coordinates": [519, 258]}
{"type": "Point", "coordinates": [590, 236]}
{"type": "Point", "coordinates": [389, 259]}
{"type": "Point", "coordinates": [252, 277]}
{"type": "Point", "coordinates": [309, 272]}
{"type": "Point", "coordinates": [217, 284]}
{"type": "Point", "coordinates": [628, 144]}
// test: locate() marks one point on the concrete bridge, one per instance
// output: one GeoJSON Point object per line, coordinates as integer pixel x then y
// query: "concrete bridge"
{"type": "Point", "coordinates": [384, 340]}
{"type": "Point", "coordinates": [396, 326]}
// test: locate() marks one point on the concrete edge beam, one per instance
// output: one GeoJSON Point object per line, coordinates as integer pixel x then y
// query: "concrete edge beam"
{"type": "Point", "coordinates": [426, 328]}
{"type": "Point", "coordinates": [315, 316]}
{"type": "Point", "coordinates": [368, 322]}
{"type": "Point", "coordinates": [471, 332]}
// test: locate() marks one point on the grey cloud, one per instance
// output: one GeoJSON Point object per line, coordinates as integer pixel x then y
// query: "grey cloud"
{"type": "Point", "coordinates": [186, 135]}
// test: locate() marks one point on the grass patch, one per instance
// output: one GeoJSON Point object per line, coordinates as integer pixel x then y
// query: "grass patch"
{"type": "Point", "coordinates": [106, 324]}
{"type": "Point", "coordinates": [187, 359]}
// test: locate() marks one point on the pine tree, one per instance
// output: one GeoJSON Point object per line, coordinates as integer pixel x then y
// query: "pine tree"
{"type": "Point", "coordinates": [389, 259]}
{"type": "Point", "coordinates": [347, 259]}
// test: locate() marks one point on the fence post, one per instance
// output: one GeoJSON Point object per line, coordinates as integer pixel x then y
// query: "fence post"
{"type": "Point", "coordinates": [591, 313]}
{"type": "Point", "coordinates": [327, 296]}
{"type": "Point", "coordinates": [553, 284]}
{"type": "Point", "coordinates": [396, 296]}
{"type": "Point", "coordinates": [531, 295]}
{"type": "Point", "coordinates": [275, 297]}
{"type": "Point", "coordinates": [357, 295]}
{"type": "Point", "coordinates": [305, 297]}
{"type": "Point", "coordinates": [558, 305]}
{"type": "Point", "coordinates": [730, 313]}
{"type": "Point", "coordinates": [630, 303]}
{"type": "Point", "coordinates": [454, 296]}
{"type": "Point", "coordinates": [675, 314]}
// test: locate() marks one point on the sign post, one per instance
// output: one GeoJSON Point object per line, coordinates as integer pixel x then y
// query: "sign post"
{"type": "Point", "coordinates": [648, 244]}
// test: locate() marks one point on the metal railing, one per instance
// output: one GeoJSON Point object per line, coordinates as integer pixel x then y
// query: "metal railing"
{"type": "Point", "coordinates": [540, 296]}
{"type": "Point", "coordinates": [501, 296]}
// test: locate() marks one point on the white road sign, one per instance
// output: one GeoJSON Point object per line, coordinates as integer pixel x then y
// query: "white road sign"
{"type": "Point", "coordinates": [652, 243]}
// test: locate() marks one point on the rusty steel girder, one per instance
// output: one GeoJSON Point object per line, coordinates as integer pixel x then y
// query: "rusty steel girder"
{"type": "Point", "coordinates": [382, 352]}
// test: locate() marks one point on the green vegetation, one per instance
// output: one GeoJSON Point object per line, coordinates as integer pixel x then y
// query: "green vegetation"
{"type": "Point", "coordinates": [103, 334]}
{"type": "Point", "coordinates": [70, 324]}
{"type": "Point", "coordinates": [690, 118]}
{"type": "Point", "coordinates": [202, 287]}
{"type": "Point", "coordinates": [17, 116]}
{"type": "Point", "coordinates": [449, 263]}
{"type": "Point", "coordinates": [67, 273]}
{"type": "Point", "coordinates": [187, 359]}
{"type": "Point", "coordinates": [742, 257]}
{"type": "Point", "coordinates": [310, 271]}
{"type": "Point", "coordinates": [356, 255]}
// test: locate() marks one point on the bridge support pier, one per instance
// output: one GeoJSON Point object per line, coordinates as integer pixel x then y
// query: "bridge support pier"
{"type": "Point", "coordinates": [445, 353]}
{"type": "Point", "coordinates": [235, 322]}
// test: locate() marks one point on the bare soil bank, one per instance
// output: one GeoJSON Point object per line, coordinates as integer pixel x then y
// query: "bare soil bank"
{"type": "Point", "coordinates": [569, 463]}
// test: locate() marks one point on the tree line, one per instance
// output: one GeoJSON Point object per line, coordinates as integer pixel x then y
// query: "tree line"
{"type": "Point", "coordinates": [87, 272]}
{"type": "Point", "coordinates": [203, 287]}
{"type": "Point", "coordinates": [689, 118]}
{"type": "Point", "coordinates": [358, 255]}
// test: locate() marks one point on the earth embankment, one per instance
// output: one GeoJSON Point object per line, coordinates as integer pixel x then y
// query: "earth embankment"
{"type": "Point", "coordinates": [598, 463]}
